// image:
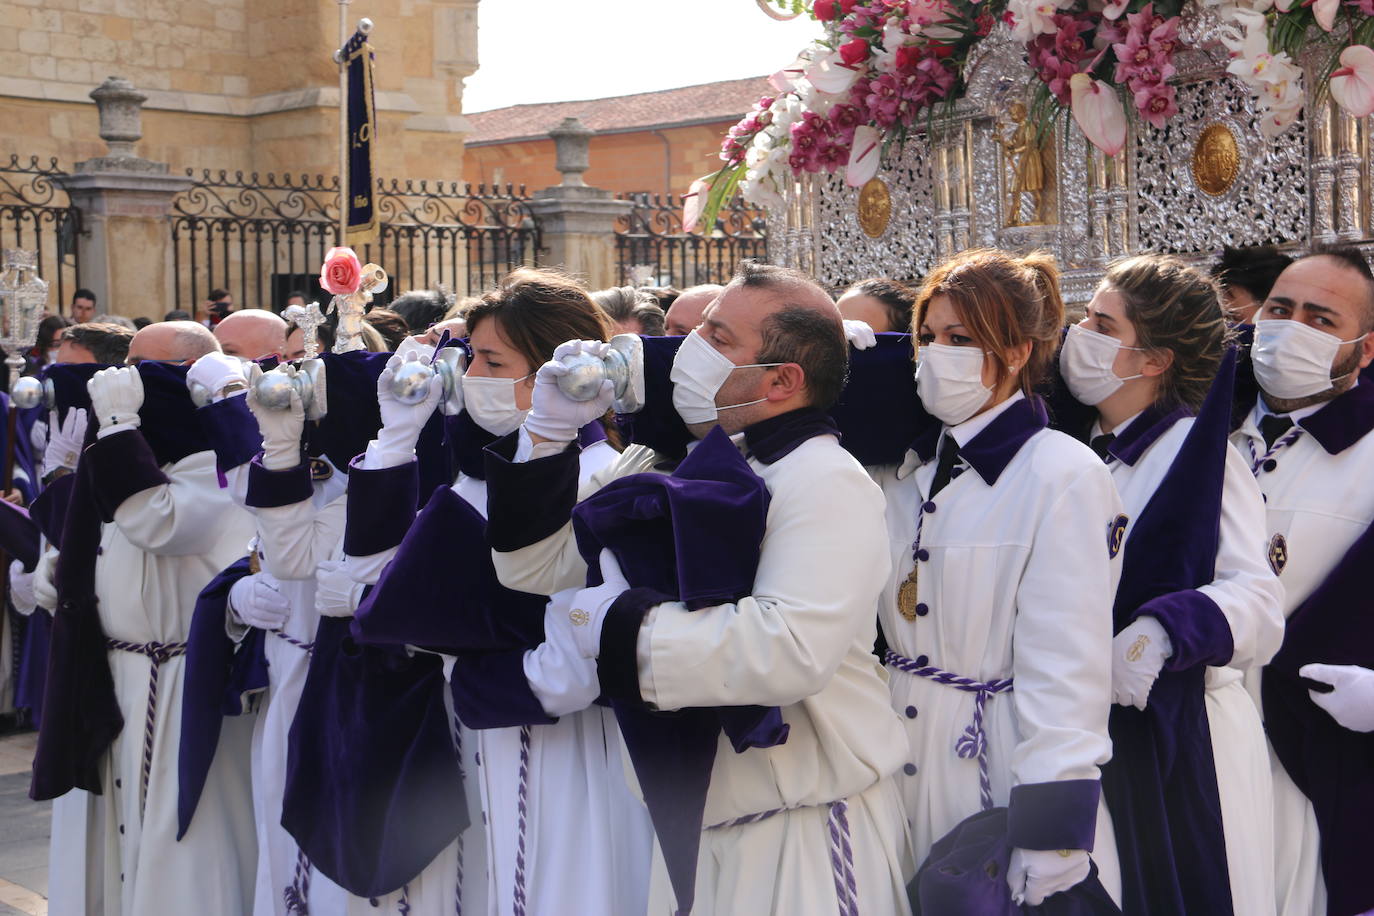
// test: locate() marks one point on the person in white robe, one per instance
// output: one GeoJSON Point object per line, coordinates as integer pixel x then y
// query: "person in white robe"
{"type": "Point", "coordinates": [813, 824]}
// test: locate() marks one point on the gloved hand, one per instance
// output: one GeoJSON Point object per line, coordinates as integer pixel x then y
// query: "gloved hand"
{"type": "Point", "coordinates": [214, 371]}
{"type": "Point", "coordinates": [65, 441]}
{"type": "Point", "coordinates": [336, 594]}
{"type": "Point", "coordinates": [1138, 655]}
{"type": "Point", "coordinates": [1351, 703]}
{"type": "Point", "coordinates": [281, 429]}
{"type": "Point", "coordinates": [38, 437]}
{"type": "Point", "coordinates": [589, 606]}
{"type": "Point", "coordinates": [859, 334]}
{"type": "Point", "coordinates": [1035, 874]}
{"type": "Point", "coordinates": [416, 344]}
{"type": "Point", "coordinates": [116, 396]}
{"type": "Point", "coordinates": [555, 416]}
{"type": "Point", "coordinates": [559, 675]}
{"type": "Point", "coordinates": [401, 423]}
{"type": "Point", "coordinates": [21, 589]}
{"type": "Point", "coordinates": [257, 601]}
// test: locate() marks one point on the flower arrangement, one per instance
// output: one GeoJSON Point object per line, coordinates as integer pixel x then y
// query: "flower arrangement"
{"type": "Point", "coordinates": [882, 66]}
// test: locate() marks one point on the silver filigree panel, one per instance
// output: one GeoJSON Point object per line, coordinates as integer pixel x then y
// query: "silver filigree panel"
{"type": "Point", "coordinates": [906, 250]}
{"type": "Point", "coordinates": [1267, 202]}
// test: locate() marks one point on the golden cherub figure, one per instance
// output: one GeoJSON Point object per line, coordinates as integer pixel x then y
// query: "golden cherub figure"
{"type": "Point", "coordinates": [1032, 166]}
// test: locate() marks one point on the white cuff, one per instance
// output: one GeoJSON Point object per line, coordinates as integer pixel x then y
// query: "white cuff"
{"type": "Point", "coordinates": [380, 456]}
{"type": "Point", "coordinates": [116, 428]}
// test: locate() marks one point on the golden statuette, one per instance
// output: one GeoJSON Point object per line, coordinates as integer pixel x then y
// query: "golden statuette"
{"type": "Point", "coordinates": [1216, 159]}
{"type": "Point", "coordinates": [875, 207]}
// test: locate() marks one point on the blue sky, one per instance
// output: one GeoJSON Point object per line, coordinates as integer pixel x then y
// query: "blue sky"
{"type": "Point", "coordinates": [561, 50]}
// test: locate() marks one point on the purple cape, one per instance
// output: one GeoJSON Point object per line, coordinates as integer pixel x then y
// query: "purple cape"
{"type": "Point", "coordinates": [218, 677]}
{"type": "Point", "coordinates": [18, 535]}
{"type": "Point", "coordinates": [654, 524]}
{"type": "Point", "coordinates": [373, 789]}
{"type": "Point", "coordinates": [1160, 784]}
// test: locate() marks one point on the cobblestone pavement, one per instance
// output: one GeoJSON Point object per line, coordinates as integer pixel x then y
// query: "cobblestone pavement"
{"type": "Point", "coordinates": [23, 832]}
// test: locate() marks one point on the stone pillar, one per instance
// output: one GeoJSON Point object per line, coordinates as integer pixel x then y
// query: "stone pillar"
{"type": "Point", "coordinates": [577, 222]}
{"type": "Point", "coordinates": [126, 247]}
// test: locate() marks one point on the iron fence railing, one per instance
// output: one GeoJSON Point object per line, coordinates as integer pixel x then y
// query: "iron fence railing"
{"type": "Point", "coordinates": [36, 214]}
{"type": "Point", "coordinates": [651, 236]}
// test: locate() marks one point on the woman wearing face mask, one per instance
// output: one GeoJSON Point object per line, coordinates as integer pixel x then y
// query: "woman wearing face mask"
{"type": "Point", "coordinates": [997, 612]}
{"type": "Point", "coordinates": [541, 762]}
{"type": "Point", "coordinates": [1196, 605]}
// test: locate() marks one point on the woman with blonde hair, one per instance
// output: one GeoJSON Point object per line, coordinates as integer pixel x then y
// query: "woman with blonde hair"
{"type": "Point", "coordinates": [997, 613]}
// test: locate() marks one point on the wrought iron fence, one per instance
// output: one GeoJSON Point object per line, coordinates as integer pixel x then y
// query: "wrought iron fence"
{"type": "Point", "coordinates": [651, 237]}
{"type": "Point", "coordinates": [36, 214]}
{"type": "Point", "coordinates": [264, 238]}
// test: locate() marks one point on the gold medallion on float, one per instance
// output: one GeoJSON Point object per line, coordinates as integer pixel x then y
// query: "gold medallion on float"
{"type": "Point", "coordinates": [1216, 159]}
{"type": "Point", "coordinates": [875, 207]}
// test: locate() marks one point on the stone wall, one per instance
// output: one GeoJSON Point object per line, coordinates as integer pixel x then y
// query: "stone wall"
{"type": "Point", "coordinates": [236, 84]}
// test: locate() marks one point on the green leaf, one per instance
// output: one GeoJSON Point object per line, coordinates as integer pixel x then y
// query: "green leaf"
{"type": "Point", "coordinates": [723, 186]}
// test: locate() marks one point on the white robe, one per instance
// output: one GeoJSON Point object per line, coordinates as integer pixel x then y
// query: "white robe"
{"type": "Point", "coordinates": [1319, 504]}
{"type": "Point", "coordinates": [802, 642]}
{"type": "Point", "coordinates": [1019, 584]}
{"type": "Point", "coordinates": [1250, 597]}
{"type": "Point", "coordinates": [166, 543]}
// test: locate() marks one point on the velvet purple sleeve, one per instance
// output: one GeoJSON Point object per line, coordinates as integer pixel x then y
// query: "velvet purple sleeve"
{"type": "Point", "coordinates": [617, 666]}
{"type": "Point", "coordinates": [121, 466]}
{"type": "Point", "coordinates": [381, 507]}
{"type": "Point", "coordinates": [490, 690]}
{"type": "Point", "coordinates": [274, 489]}
{"type": "Point", "coordinates": [528, 501]}
{"type": "Point", "coordinates": [1197, 628]}
{"type": "Point", "coordinates": [1054, 815]}
{"type": "Point", "coordinates": [232, 430]}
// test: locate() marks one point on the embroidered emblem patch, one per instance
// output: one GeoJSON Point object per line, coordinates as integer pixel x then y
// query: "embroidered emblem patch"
{"type": "Point", "coordinates": [320, 469]}
{"type": "Point", "coordinates": [1278, 554]}
{"type": "Point", "coordinates": [1116, 535]}
{"type": "Point", "coordinates": [580, 618]}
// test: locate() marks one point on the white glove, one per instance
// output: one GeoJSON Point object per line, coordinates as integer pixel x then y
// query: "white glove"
{"type": "Point", "coordinates": [257, 601]}
{"type": "Point", "coordinates": [38, 436]}
{"type": "Point", "coordinates": [1351, 703]}
{"type": "Point", "coordinates": [1138, 655]}
{"type": "Point", "coordinates": [416, 345]}
{"type": "Point", "coordinates": [116, 396]}
{"type": "Point", "coordinates": [589, 606]}
{"type": "Point", "coordinates": [214, 371]}
{"type": "Point", "coordinates": [401, 423]}
{"type": "Point", "coordinates": [1035, 874]}
{"type": "Point", "coordinates": [564, 680]}
{"type": "Point", "coordinates": [336, 594]}
{"type": "Point", "coordinates": [65, 441]}
{"type": "Point", "coordinates": [859, 334]}
{"type": "Point", "coordinates": [21, 589]}
{"type": "Point", "coordinates": [281, 429]}
{"type": "Point", "coordinates": [555, 416]}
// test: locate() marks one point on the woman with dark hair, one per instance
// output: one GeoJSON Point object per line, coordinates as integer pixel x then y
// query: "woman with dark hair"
{"type": "Point", "coordinates": [1188, 783]}
{"type": "Point", "coordinates": [884, 304]}
{"type": "Point", "coordinates": [44, 351]}
{"type": "Point", "coordinates": [997, 609]}
{"type": "Point", "coordinates": [542, 762]}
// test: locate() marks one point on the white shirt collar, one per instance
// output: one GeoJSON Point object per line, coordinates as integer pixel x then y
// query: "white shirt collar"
{"type": "Point", "coordinates": [1120, 427]}
{"type": "Point", "coordinates": [964, 432]}
{"type": "Point", "coordinates": [1262, 410]}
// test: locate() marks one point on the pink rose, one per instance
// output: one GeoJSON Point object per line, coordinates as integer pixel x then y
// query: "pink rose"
{"type": "Point", "coordinates": [342, 272]}
{"type": "Point", "coordinates": [854, 52]}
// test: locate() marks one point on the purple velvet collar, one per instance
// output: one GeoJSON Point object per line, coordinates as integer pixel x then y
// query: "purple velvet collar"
{"type": "Point", "coordinates": [1344, 421]}
{"type": "Point", "coordinates": [777, 437]}
{"type": "Point", "coordinates": [991, 450]}
{"type": "Point", "coordinates": [1144, 431]}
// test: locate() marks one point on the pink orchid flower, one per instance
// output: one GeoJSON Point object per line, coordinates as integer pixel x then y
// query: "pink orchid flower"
{"type": "Point", "coordinates": [865, 155]}
{"type": "Point", "coordinates": [1352, 84]}
{"type": "Point", "coordinates": [1098, 113]}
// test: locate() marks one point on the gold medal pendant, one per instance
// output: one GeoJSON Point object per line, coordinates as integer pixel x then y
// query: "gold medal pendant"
{"type": "Point", "coordinates": [906, 597]}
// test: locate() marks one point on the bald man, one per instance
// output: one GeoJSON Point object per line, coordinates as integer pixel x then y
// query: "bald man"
{"type": "Point", "coordinates": [167, 530]}
{"type": "Point", "coordinates": [767, 362]}
{"type": "Point", "coordinates": [252, 334]}
{"type": "Point", "coordinates": [686, 311]}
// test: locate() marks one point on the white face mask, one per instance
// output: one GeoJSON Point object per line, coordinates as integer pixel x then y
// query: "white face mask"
{"type": "Point", "coordinates": [699, 370]}
{"type": "Point", "coordinates": [950, 382]}
{"type": "Point", "coordinates": [1293, 360]}
{"type": "Point", "coordinates": [491, 403]}
{"type": "Point", "coordinates": [52, 356]}
{"type": "Point", "coordinates": [1086, 362]}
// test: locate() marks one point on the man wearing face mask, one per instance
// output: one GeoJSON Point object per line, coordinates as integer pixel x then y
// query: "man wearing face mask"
{"type": "Point", "coordinates": [1308, 440]}
{"type": "Point", "coordinates": [767, 361]}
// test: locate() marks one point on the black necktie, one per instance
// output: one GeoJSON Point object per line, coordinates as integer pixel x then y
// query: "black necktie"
{"type": "Point", "coordinates": [944, 468]}
{"type": "Point", "coordinates": [1100, 444]}
{"type": "Point", "coordinates": [1273, 427]}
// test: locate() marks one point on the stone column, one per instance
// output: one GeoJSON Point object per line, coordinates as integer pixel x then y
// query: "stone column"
{"type": "Point", "coordinates": [125, 248]}
{"type": "Point", "coordinates": [577, 222]}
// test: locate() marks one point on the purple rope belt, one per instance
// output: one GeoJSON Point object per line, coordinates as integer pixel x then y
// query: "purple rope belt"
{"type": "Point", "coordinates": [973, 743]}
{"type": "Point", "coordinates": [297, 894]}
{"type": "Point", "coordinates": [463, 776]}
{"type": "Point", "coordinates": [307, 647]}
{"type": "Point", "coordinates": [841, 849]}
{"type": "Point", "coordinates": [521, 824]}
{"type": "Point", "coordinates": [156, 653]}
